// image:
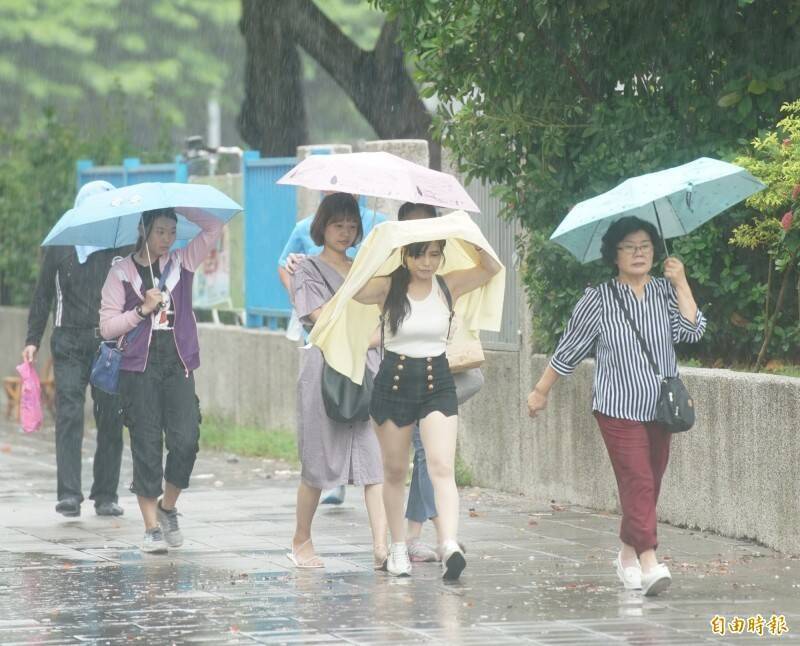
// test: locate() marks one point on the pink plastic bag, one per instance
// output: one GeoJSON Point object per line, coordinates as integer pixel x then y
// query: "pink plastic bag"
{"type": "Point", "coordinates": [30, 401]}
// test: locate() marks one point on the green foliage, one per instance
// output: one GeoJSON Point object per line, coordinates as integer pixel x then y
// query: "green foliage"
{"type": "Point", "coordinates": [220, 434]}
{"type": "Point", "coordinates": [37, 183]}
{"type": "Point", "coordinates": [775, 158]}
{"type": "Point", "coordinates": [77, 53]}
{"type": "Point", "coordinates": [556, 101]}
{"type": "Point", "coordinates": [71, 54]}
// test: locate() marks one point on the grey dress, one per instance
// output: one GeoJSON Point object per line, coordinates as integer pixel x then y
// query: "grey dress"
{"type": "Point", "coordinates": [331, 453]}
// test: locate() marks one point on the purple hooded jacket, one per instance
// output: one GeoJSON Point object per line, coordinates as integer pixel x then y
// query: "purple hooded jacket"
{"type": "Point", "coordinates": [123, 291]}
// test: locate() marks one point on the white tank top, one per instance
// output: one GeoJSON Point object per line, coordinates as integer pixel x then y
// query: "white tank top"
{"type": "Point", "coordinates": [423, 333]}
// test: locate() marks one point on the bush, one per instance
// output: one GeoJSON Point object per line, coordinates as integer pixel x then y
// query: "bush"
{"type": "Point", "coordinates": [37, 183]}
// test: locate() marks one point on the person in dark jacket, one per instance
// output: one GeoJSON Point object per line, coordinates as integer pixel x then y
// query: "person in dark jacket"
{"type": "Point", "coordinates": [71, 279]}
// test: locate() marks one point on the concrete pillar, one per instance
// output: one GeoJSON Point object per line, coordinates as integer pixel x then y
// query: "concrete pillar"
{"type": "Point", "coordinates": [415, 150]}
{"type": "Point", "coordinates": [307, 200]}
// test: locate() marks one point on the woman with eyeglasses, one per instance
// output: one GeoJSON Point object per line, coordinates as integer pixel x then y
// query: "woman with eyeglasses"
{"type": "Point", "coordinates": [625, 388]}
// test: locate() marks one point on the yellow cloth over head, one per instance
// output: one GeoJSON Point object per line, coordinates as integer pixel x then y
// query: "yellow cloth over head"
{"type": "Point", "coordinates": [344, 327]}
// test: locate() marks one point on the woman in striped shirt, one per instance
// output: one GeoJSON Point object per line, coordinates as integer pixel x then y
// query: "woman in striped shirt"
{"type": "Point", "coordinates": [625, 387]}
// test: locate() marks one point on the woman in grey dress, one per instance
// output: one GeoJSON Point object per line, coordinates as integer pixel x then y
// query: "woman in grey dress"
{"type": "Point", "coordinates": [331, 453]}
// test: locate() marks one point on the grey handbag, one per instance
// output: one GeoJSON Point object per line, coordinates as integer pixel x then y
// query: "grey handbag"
{"type": "Point", "coordinates": [468, 384]}
{"type": "Point", "coordinates": [675, 407]}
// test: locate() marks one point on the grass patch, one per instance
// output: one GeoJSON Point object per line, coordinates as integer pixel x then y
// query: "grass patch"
{"type": "Point", "coordinates": [219, 434]}
{"type": "Point", "coordinates": [463, 473]}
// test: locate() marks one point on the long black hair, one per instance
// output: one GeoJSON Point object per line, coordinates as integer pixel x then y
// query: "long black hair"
{"type": "Point", "coordinates": [148, 218]}
{"type": "Point", "coordinates": [397, 307]}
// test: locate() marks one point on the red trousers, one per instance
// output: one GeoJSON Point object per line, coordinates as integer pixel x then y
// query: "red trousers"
{"type": "Point", "coordinates": [639, 453]}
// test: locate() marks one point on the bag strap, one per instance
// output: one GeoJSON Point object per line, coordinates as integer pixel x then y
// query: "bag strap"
{"type": "Point", "coordinates": [635, 329]}
{"type": "Point", "coordinates": [449, 298]}
{"type": "Point", "coordinates": [130, 336]}
{"type": "Point", "coordinates": [321, 275]}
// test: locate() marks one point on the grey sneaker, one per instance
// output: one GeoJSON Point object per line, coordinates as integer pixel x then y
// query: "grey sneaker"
{"type": "Point", "coordinates": [420, 552]}
{"type": "Point", "coordinates": [154, 542]}
{"type": "Point", "coordinates": [169, 525]}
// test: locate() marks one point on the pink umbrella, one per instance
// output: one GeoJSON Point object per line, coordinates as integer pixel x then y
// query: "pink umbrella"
{"type": "Point", "coordinates": [380, 174]}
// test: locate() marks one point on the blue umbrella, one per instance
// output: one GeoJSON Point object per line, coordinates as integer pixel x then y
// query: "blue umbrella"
{"type": "Point", "coordinates": [111, 218]}
{"type": "Point", "coordinates": [677, 200]}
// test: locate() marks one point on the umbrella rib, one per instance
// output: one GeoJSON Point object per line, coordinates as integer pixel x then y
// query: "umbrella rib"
{"type": "Point", "coordinates": [589, 243]}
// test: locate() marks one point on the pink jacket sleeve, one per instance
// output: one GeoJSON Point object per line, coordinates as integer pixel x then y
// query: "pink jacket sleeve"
{"type": "Point", "coordinates": [193, 255]}
{"type": "Point", "coordinates": [114, 320]}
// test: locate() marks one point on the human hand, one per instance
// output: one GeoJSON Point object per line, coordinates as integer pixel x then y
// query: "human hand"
{"type": "Point", "coordinates": [536, 402]}
{"type": "Point", "coordinates": [29, 353]}
{"type": "Point", "coordinates": [675, 272]}
{"type": "Point", "coordinates": [152, 300]}
{"type": "Point", "coordinates": [293, 260]}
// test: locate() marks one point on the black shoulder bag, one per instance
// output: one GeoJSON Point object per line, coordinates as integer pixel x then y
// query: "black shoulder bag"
{"type": "Point", "coordinates": [345, 401]}
{"type": "Point", "coordinates": [675, 408]}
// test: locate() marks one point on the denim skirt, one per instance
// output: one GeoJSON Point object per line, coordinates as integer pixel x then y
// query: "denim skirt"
{"type": "Point", "coordinates": [407, 389]}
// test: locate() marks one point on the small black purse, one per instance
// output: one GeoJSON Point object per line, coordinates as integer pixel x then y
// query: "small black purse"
{"type": "Point", "coordinates": [674, 408]}
{"type": "Point", "coordinates": [345, 401]}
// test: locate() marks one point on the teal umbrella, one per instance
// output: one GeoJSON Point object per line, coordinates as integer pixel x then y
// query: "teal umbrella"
{"type": "Point", "coordinates": [676, 200]}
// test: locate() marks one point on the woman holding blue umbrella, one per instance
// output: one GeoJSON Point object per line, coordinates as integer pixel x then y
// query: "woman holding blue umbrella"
{"type": "Point", "coordinates": [626, 388]}
{"type": "Point", "coordinates": [150, 291]}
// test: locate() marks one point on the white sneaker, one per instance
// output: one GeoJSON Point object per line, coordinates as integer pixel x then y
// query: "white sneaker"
{"type": "Point", "coordinates": [631, 576]}
{"type": "Point", "coordinates": [656, 580]}
{"type": "Point", "coordinates": [153, 542]}
{"type": "Point", "coordinates": [398, 563]}
{"type": "Point", "coordinates": [169, 525]}
{"type": "Point", "coordinates": [453, 561]}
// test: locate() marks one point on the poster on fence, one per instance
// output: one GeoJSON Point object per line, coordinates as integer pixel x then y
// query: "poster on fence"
{"type": "Point", "coordinates": [215, 280]}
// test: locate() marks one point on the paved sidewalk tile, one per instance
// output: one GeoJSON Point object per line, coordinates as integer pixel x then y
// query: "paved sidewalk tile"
{"type": "Point", "coordinates": [535, 575]}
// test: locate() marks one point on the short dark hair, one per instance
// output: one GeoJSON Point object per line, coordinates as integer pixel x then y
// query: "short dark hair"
{"type": "Point", "coordinates": [622, 228]}
{"type": "Point", "coordinates": [408, 207]}
{"type": "Point", "coordinates": [335, 208]}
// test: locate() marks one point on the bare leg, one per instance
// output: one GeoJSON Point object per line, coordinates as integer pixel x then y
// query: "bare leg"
{"type": "Point", "coordinates": [413, 529]}
{"type": "Point", "coordinates": [648, 560]}
{"type": "Point", "coordinates": [439, 438]}
{"type": "Point", "coordinates": [170, 497]}
{"type": "Point", "coordinates": [395, 443]}
{"type": "Point", "coordinates": [628, 555]}
{"type": "Point", "coordinates": [148, 508]}
{"type": "Point", "coordinates": [373, 499]}
{"type": "Point", "coordinates": [307, 501]}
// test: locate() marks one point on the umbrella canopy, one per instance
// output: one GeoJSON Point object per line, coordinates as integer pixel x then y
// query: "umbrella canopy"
{"type": "Point", "coordinates": [380, 174]}
{"type": "Point", "coordinates": [111, 218]}
{"type": "Point", "coordinates": [676, 200]}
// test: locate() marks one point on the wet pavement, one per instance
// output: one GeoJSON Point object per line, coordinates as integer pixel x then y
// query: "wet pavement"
{"type": "Point", "coordinates": [538, 572]}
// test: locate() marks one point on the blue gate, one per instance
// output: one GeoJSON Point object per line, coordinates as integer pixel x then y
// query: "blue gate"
{"type": "Point", "coordinates": [270, 215]}
{"type": "Point", "coordinates": [132, 171]}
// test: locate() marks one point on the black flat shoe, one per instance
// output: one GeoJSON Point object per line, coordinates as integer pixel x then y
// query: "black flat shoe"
{"type": "Point", "coordinates": [108, 509]}
{"type": "Point", "coordinates": [69, 507]}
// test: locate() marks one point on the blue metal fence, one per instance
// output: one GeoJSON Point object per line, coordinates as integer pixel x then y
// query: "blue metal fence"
{"type": "Point", "coordinates": [270, 215]}
{"type": "Point", "coordinates": [132, 171]}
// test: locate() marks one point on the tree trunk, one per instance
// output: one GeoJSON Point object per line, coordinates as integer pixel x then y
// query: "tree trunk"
{"type": "Point", "coordinates": [770, 323]}
{"type": "Point", "coordinates": [273, 117]}
{"type": "Point", "coordinates": [377, 81]}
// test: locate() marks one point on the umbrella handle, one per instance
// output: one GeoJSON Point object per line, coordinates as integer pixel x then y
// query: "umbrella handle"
{"type": "Point", "coordinates": [661, 231]}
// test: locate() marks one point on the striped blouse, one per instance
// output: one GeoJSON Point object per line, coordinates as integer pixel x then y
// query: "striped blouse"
{"type": "Point", "coordinates": [625, 386]}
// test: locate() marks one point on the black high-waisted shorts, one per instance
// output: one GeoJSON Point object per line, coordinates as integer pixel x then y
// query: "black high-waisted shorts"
{"type": "Point", "coordinates": [407, 389]}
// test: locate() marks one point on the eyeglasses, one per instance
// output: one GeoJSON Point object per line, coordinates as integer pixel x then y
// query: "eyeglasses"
{"type": "Point", "coordinates": [631, 249]}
